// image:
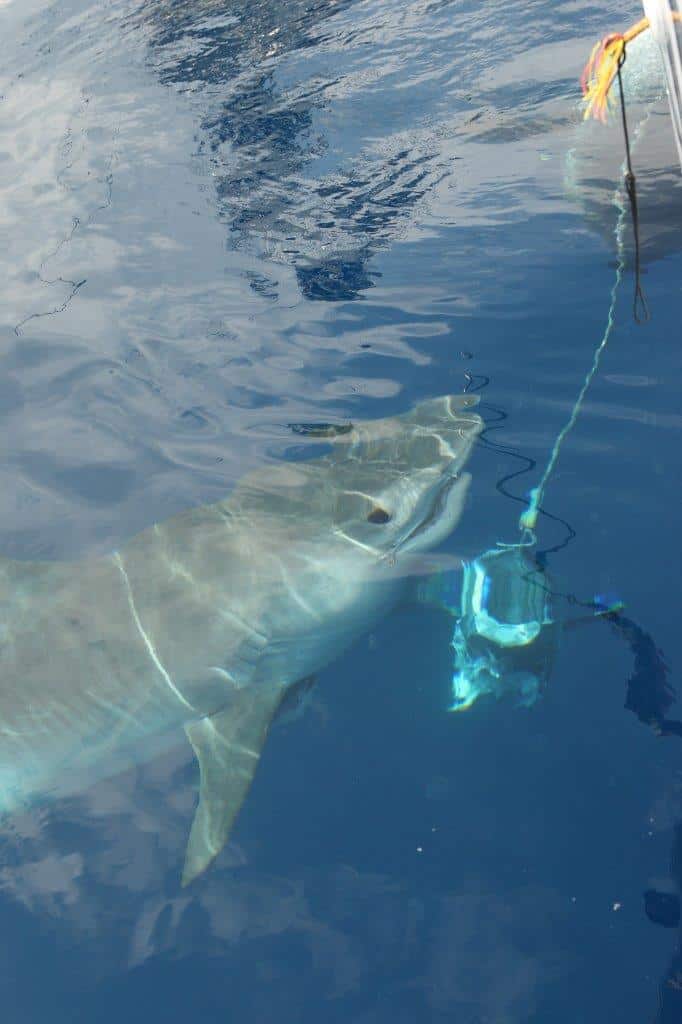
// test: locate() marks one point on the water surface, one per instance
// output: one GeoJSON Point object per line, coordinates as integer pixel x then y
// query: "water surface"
{"type": "Point", "coordinates": [222, 218]}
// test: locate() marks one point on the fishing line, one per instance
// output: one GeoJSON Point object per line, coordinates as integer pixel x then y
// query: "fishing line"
{"type": "Point", "coordinates": [528, 519]}
{"type": "Point", "coordinates": [529, 463]}
{"type": "Point", "coordinates": [506, 634]}
{"type": "Point", "coordinates": [604, 66]}
{"type": "Point", "coordinates": [528, 466]}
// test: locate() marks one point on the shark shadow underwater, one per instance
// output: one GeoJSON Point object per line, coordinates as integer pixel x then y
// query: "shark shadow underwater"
{"type": "Point", "coordinates": [208, 620]}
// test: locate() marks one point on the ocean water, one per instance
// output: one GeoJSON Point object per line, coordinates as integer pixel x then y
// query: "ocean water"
{"type": "Point", "coordinates": [221, 218]}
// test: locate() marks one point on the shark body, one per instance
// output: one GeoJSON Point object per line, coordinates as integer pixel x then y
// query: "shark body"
{"type": "Point", "coordinates": [206, 621]}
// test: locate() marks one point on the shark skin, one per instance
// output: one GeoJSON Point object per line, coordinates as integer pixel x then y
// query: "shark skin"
{"type": "Point", "coordinates": [205, 621]}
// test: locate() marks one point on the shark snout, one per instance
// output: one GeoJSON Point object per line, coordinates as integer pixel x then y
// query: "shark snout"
{"type": "Point", "coordinates": [445, 430]}
{"type": "Point", "coordinates": [445, 410]}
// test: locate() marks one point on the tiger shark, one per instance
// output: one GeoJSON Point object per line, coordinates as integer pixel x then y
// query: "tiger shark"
{"type": "Point", "coordinates": [207, 621]}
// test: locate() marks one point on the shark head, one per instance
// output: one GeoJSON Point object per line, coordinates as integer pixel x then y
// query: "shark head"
{"type": "Point", "coordinates": [388, 487]}
{"type": "Point", "coordinates": [397, 485]}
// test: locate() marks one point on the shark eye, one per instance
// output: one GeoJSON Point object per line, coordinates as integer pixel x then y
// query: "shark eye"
{"type": "Point", "coordinates": [379, 516]}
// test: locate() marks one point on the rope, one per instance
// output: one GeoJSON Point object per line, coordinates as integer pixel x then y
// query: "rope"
{"type": "Point", "coordinates": [605, 63]}
{"type": "Point", "coordinates": [528, 518]}
{"type": "Point", "coordinates": [638, 302]}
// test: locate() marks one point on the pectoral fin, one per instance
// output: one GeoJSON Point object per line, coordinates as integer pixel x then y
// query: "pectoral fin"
{"type": "Point", "coordinates": [227, 746]}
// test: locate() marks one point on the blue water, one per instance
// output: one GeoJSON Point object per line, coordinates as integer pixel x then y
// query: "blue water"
{"type": "Point", "coordinates": [221, 218]}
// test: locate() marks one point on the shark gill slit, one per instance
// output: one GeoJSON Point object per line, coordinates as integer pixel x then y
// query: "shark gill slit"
{"type": "Point", "coordinates": [145, 638]}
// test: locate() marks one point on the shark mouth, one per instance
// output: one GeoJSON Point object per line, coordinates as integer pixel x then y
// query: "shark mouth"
{"type": "Point", "coordinates": [441, 518]}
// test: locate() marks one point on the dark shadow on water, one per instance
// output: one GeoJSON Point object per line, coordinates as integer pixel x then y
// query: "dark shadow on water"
{"type": "Point", "coordinates": [650, 697]}
{"type": "Point", "coordinates": [261, 142]}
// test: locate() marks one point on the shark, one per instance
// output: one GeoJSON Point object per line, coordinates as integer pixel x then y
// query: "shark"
{"type": "Point", "coordinates": [207, 621]}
